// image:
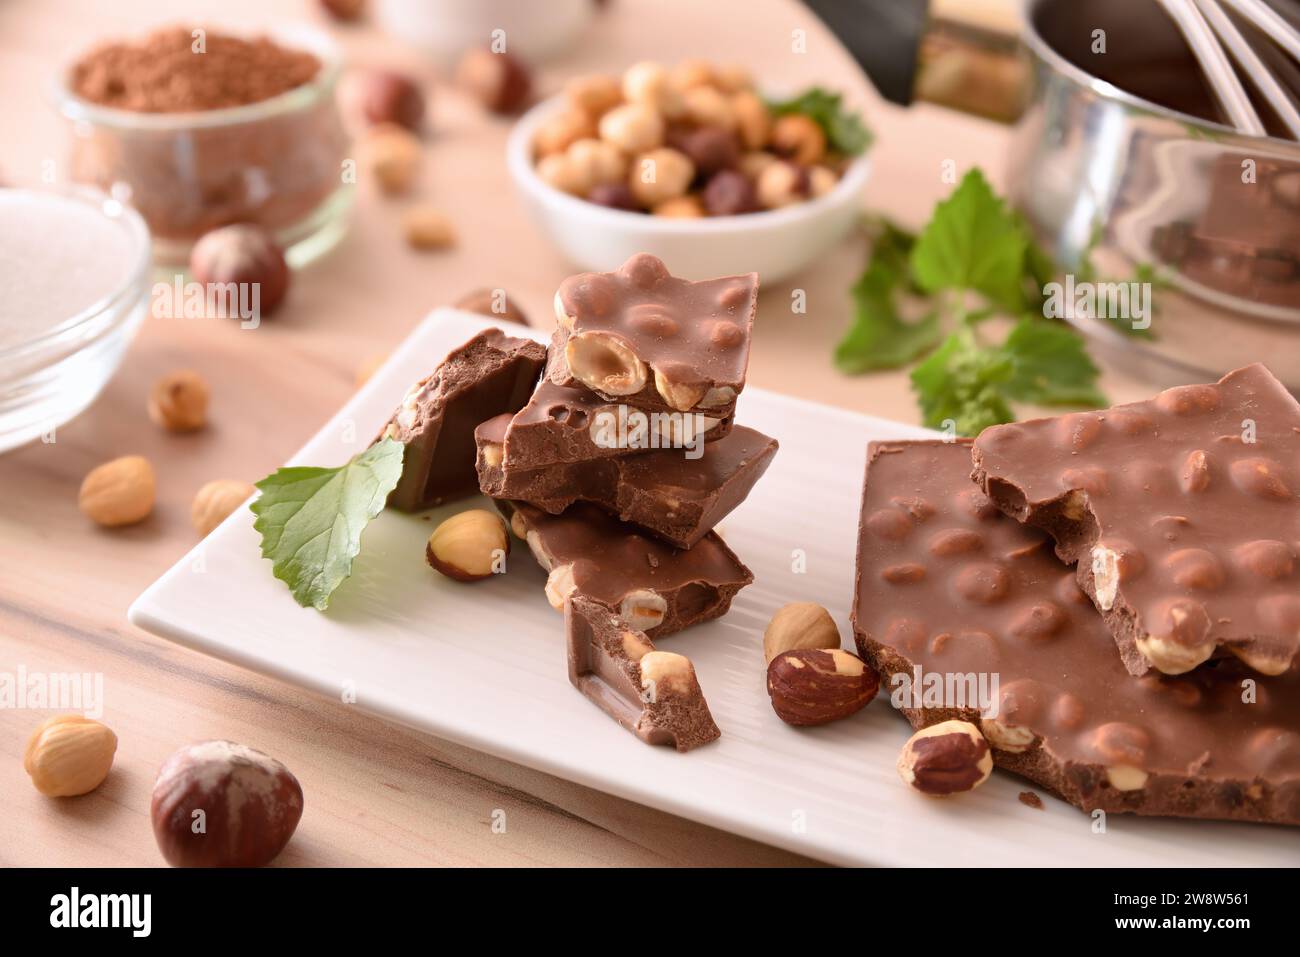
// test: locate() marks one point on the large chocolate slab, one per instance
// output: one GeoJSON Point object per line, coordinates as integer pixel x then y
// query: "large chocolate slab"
{"type": "Point", "coordinates": [660, 704]}
{"type": "Point", "coordinates": [490, 374]}
{"type": "Point", "coordinates": [653, 587]}
{"type": "Point", "coordinates": [571, 424]}
{"type": "Point", "coordinates": [679, 499]}
{"type": "Point", "coordinates": [688, 342]}
{"type": "Point", "coordinates": [947, 583]}
{"type": "Point", "coordinates": [1181, 511]}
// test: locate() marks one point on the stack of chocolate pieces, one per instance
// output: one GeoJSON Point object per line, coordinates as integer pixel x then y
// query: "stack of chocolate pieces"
{"type": "Point", "coordinates": [1159, 674]}
{"type": "Point", "coordinates": [613, 454]}
{"type": "Point", "coordinates": [618, 468]}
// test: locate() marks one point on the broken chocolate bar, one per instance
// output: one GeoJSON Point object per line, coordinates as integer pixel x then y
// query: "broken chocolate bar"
{"type": "Point", "coordinates": [653, 341]}
{"type": "Point", "coordinates": [971, 616]}
{"type": "Point", "coordinates": [570, 424]}
{"type": "Point", "coordinates": [1181, 512]}
{"type": "Point", "coordinates": [654, 694]}
{"type": "Point", "coordinates": [651, 586]}
{"type": "Point", "coordinates": [491, 374]}
{"type": "Point", "coordinates": [679, 499]}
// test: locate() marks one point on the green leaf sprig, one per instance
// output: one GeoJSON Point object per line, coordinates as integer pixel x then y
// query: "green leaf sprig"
{"type": "Point", "coordinates": [311, 519]}
{"type": "Point", "coordinates": [844, 129]}
{"type": "Point", "coordinates": [974, 259]}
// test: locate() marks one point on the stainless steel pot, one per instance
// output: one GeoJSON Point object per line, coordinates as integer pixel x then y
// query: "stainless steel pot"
{"type": "Point", "coordinates": [1108, 176]}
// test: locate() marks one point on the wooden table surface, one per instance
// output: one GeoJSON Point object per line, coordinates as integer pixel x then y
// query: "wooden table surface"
{"type": "Point", "coordinates": [376, 795]}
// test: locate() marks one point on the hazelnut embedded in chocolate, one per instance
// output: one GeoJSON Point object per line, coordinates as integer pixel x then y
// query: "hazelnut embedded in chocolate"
{"type": "Point", "coordinates": [391, 97]}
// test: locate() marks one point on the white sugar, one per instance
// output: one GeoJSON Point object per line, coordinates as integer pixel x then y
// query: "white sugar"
{"type": "Point", "coordinates": [58, 257]}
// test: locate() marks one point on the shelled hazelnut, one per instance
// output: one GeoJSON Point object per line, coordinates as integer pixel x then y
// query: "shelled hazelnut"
{"type": "Point", "coordinates": [685, 141]}
{"type": "Point", "coordinates": [215, 501]}
{"type": "Point", "coordinates": [392, 154]}
{"type": "Point", "coordinates": [179, 401]}
{"type": "Point", "coordinates": [469, 546]}
{"type": "Point", "coordinates": [120, 492]}
{"type": "Point", "coordinates": [69, 755]}
{"type": "Point", "coordinates": [428, 228]}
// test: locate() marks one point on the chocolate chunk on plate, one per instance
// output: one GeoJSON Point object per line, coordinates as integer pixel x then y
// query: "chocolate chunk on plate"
{"type": "Point", "coordinates": [652, 587]}
{"type": "Point", "coordinates": [654, 694]}
{"type": "Point", "coordinates": [656, 342]}
{"type": "Point", "coordinates": [952, 595]}
{"type": "Point", "coordinates": [490, 374]}
{"type": "Point", "coordinates": [677, 496]}
{"type": "Point", "coordinates": [1182, 512]}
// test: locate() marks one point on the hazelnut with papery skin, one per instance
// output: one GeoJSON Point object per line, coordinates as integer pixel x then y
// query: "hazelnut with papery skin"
{"type": "Point", "coordinates": [753, 121]}
{"type": "Point", "coordinates": [243, 254]}
{"type": "Point", "coordinates": [345, 10]}
{"type": "Point", "coordinates": [729, 193]}
{"type": "Point", "coordinates": [613, 195]}
{"type": "Point", "coordinates": [708, 147]}
{"type": "Point", "coordinates": [179, 401]}
{"type": "Point", "coordinates": [221, 804]}
{"type": "Point", "coordinates": [500, 81]}
{"type": "Point", "coordinates": [391, 97]}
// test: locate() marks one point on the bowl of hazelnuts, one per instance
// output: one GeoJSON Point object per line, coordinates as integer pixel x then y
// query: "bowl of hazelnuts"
{"type": "Point", "coordinates": [692, 164]}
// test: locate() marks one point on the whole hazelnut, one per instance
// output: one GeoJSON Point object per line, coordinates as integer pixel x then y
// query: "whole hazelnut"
{"type": "Point", "coordinates": [594, 94]}
{"type": "Point", "coordinates": [492, 302]}
{"type": "Point", "coordinates": [753, 121]}
{"type": "Point", "coordinates": [68, 755]}
{"type": "Point", "coordinates": [120, 492]}
{"type": "Point", "coordinates": [392, 154]}
{"type": "Point", "coordinates": [732, 78]}
{"type": "Point", "coordinates": [243, 254]}
{"type": "Point", "coordinates": [216, 500]}
{"type": "Point", "coordinates": [391, 97]}
{"type": "Point", "coordinates": [729, 193]}
{"type": "Point", "coordinates": [800, 624]}
{"type": "Point", "coordinates": [469, 546]}
{"type": "Point", "coordinates": [821, 180]}
{"type": "Point", "coordinates": [633, 128]}
{"type": "Point", "coordinates": [497, 80]}
{"type": "Point", "coordinates": [680, 207]}
{"type": "Point", "coordinates": [946, 758]}
{"type": "Point", "coordinates": [595, 162]}
{"type": "Point", "coordinates": [706, 106]}
{"type": "Point", "coordinates": [753, 163]}
{"type": "Point", "coordinates": [559, 130]}
{"type": "Point", "coordinates": [345, 10]}
{"type": "Point", "coordinates": [179, 401]}
{"type": "Point", "coordinates": [221, 804]}
{"type": "Point", "coordinates": [428, 228]}
{"type": "Point", "coordinates": [799, 138]}
{"type": "Point", "coordinates": [648, 84]}
{"type": "Point", "coordinates": [692, 73]}
{"type": "Point", "coordinates": [708, 147]}
{"type": "Point", "coordinates": [781, 184]}
{"type": "Point", "coordinates": [811, 686]}
{"type": "Point", "coordinates": [556, 170]}
{"type": "Point", "coordinates": [659, 175]}
{"type": "Point", "coordinates": [613, 195]}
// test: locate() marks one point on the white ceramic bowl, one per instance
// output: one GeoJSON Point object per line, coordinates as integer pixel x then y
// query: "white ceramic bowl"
{"type": "Point", "coordinates": [775, 243]}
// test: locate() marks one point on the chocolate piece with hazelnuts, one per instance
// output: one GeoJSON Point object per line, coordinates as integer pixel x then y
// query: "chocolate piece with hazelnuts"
{"type": "Point", "coordinates": [654, 694]}
{"type": "Point", "coordinates": [489, 375]}
{"type": "Point", "coordinates": [951, 593]}
{"type": "Point", "coordinates": [654, 341]}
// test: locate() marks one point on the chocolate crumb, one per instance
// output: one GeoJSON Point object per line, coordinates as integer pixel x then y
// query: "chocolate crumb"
{"type": "Point", "coordinates": [1030, 799]}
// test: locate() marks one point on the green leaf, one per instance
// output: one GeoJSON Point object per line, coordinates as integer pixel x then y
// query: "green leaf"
{"type": "Point", "coordinates": [1050, 366]}
{"type": "Point", "coordinates": [311, 519]}
{"type": "Point", "coordinates": [845, 131]}
{"type": "Point", "coordinates": [961, 382]}
{"type": "Point", "coordinates": [879, 337]}
{"type": "Point", "coordinates": [973, 242]}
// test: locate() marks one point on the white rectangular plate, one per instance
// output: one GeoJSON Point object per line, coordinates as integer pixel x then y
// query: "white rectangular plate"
{"type": "Point", "coordinates": [484, 664]}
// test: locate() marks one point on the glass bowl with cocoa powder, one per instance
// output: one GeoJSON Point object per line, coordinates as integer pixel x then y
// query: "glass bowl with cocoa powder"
{"type": "Point", "coordinates": [199, 128]}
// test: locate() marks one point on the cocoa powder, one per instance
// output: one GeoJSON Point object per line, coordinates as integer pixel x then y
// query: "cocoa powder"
{"type": "Point", "coordinates": [171, 71]}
